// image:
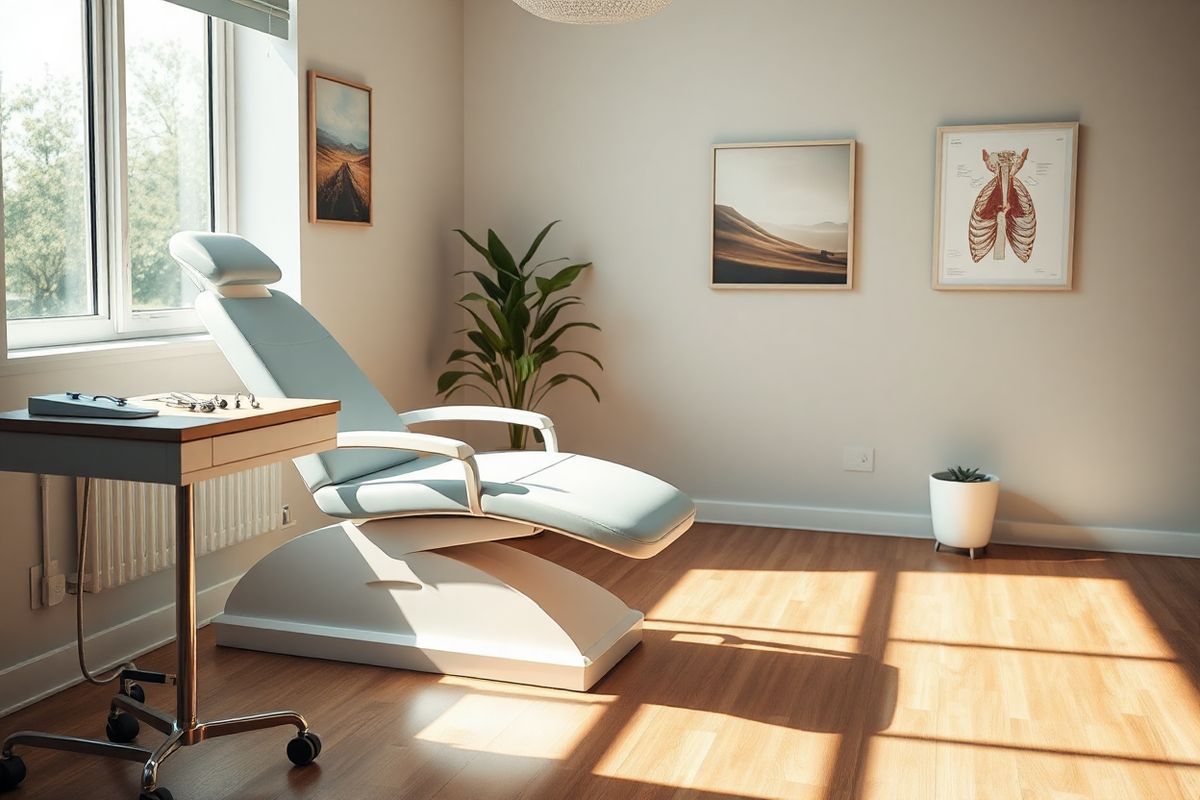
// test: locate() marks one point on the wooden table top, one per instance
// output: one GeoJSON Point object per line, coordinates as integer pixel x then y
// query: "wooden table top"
{"type": "Point", "coordinates": [172, 424]}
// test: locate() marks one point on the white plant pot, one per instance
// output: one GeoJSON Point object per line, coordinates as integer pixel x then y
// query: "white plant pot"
{"type": "Point", "coordinates": [963, 512]}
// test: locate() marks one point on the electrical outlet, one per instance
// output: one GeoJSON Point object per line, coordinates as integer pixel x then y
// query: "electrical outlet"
{"type": "Point", "coordinates": [46, 587]}
{"type": "Point", "coordinates": [858, 459]}
{"type": "Point", "coordinates": [54, 587]}
{"type": "Point", "coordinates": [285, 517]}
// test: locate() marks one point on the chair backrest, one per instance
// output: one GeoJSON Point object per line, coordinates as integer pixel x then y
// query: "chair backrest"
{"type": "Point", "coordinates": [278, 349]}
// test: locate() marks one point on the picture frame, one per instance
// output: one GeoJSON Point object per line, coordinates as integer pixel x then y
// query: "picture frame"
{"type": "Point", "coordinates": [1004, 207]}
{"type": "Point", "coordinates": [782, 215]}
{"type": "Point", "coordinates": [340, 148]}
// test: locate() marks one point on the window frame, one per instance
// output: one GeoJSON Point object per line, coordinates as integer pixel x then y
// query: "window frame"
{"type": "Point", "coordinates": [110, 267]}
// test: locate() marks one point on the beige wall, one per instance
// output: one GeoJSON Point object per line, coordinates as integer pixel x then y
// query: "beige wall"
{"type": "Point", "coordinates": [1084, 403]}
{"type": "Point", "coordinates": [382, 290]}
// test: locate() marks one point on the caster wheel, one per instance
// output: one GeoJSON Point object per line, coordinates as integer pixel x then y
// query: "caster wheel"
{"type": "Point", "coordinates": [136, 692]}
{"type": "Point", "coordinates": [122, 728]}
{"type": "Point", "coordinates": [304, 749]}
{"type": "Point", "coordinates": [12, 772]}
{"type": "Point", "coordinates": [158, 794]}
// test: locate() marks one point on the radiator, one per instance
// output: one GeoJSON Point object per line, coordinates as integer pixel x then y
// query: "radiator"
{"type": "Point", "coordinates": [132, 525]}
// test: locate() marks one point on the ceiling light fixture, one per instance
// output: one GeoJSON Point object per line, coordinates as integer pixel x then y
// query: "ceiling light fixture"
{"type": "Point", "coordinates": [593, 12]}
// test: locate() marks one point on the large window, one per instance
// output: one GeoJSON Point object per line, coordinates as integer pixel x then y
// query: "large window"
{"type": "Point", "coordinates": [111, 126]}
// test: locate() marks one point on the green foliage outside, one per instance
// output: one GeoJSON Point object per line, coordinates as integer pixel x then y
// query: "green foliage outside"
{"type": "Point", "coordinates": [168, 170]}
{"type": "Point", "coordinates": [46, 186]}
{"type": "Point", "coordinates": [45, 218]}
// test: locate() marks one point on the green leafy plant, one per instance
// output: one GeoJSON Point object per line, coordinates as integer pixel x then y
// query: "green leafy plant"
{"type": "Point", "coordinates": [963, 475]}
{"type": "Point", "coordinates": [516, 331]}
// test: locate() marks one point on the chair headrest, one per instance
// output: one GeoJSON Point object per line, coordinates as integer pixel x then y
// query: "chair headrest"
{"type": "Point", "coordinates": [223, 259]}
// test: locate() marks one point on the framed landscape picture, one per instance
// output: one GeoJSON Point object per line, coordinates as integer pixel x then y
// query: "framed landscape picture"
{"type": "Point", "coordinates": [339, 150]}
{"type": "Point", "coordinates": [783, 215]}
{"type": "Point", "coordinates": [1005, 206]}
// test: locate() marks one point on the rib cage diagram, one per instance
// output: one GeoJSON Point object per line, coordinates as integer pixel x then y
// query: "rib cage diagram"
{"type": "Point", "coordinates": [1003, 210]}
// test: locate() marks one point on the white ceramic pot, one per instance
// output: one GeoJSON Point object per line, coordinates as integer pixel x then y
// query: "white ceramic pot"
{"type": "Point", "coordinates": [963, 512]}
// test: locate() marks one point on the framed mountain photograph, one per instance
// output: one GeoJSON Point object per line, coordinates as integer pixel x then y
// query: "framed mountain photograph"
{"type": "Point", "coordinates": [339, 150]}
{"type": "Point", "coordinates": [1005, 208]}
{"type": "Point", "coordinates": [783, 215]}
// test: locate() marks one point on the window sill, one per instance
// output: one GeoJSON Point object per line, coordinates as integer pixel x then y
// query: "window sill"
{"type": "Point", "coordinates": [123, 351]}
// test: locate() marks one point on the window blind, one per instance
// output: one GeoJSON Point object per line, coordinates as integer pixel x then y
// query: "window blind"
{"type": "Point", "coordinates": [268, 16]}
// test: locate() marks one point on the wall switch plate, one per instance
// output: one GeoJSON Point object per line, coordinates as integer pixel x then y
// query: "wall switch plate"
{"type": "Point", "coordinates": [858, 459]}
{"type": "Point", "coordinates": [285, 517]}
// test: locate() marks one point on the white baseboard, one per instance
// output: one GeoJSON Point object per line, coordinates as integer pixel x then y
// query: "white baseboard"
{"type": "Point", "coordinates": [918, 526]}
{"type": "Point", "coordinates": [25, 683]}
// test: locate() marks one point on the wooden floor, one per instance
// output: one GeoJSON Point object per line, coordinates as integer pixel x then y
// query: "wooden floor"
{"type": "Point", "coordinates": [776, 664]}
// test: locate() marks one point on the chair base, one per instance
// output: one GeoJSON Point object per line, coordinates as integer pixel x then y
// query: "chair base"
{"type": "Point", "coordinates": [367, 647]}
{"type": "Point", "coordinates": [480, 610]}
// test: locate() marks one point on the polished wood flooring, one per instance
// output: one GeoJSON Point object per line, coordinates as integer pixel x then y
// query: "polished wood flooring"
{"type": "Point", "coordinates": [776, 664]}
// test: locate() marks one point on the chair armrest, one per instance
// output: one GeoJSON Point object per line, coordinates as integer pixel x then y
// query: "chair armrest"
{"type": "Point", "coordinates": [407, 440]}
{"type": "Point", "coordinates": [512, 416]}
{"type": "Point", "coordinates": [422, 443]}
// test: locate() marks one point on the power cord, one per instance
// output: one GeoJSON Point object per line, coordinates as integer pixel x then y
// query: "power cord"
{"type": "Point", "coordinates": [122, 726]}
{"type": "Point", "coordinates": [81, 570]}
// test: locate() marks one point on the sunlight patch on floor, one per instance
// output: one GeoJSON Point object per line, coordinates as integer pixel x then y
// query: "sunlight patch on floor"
{"type": "Point", "coordinates": [903, 768]}
{"type": "Point", "coordinates": [1032, 686]}
{"type": "Point", "coordinates": [1041, 612]}
{"type": "Point", "coordinates": [756, 638]}
{"type": "Point", "coordinates": [822, 602]}
{"type": "Point", "coordinates": [995, 769]}
{"type": "Point", "coordinates": [720, 753]}
{"type": "Point", "coordinates": [514, 726]}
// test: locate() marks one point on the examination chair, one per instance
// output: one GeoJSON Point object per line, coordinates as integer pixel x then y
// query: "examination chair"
{"type": "Point", "coordinates": [412, 576]}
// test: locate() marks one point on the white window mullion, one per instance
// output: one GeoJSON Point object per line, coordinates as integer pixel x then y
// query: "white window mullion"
{"type": "Point", "coordinates": [118, 195]}
{"type": "Point", "coordinates": [224, 167]}
{"type": "Point", "coordinates": [102, 174]}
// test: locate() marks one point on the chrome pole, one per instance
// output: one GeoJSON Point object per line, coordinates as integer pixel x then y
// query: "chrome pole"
{"type": "Point", "coordinates": [185, 611]}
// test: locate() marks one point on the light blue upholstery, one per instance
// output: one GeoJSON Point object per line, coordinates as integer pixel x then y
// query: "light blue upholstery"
{"type": "Point", "coordinates": [303, 360]}
{"type": "Point", "coordinates": [279, 349]}
{"type": "Point", "coordinates": [606, 503]}
{"type": "Point", "coordinates": [224, 260]}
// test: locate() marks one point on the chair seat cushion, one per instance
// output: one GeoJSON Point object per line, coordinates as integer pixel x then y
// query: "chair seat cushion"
{"type": "Point", "coordinates": [607, 504]}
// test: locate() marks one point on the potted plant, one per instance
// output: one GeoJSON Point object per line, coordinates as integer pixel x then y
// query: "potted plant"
{"type": "Point", "coordinates": [963, 504]}
{"type": "Point", "coordinates": [516, 330]}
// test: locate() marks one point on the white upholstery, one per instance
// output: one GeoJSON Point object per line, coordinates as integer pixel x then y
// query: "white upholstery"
{"type": "Point", "coordinates": [606, 504]}
{"type": "Point", "coordinates": [222, 260]}
{"type": "Point", "coordinates": [278, 349]}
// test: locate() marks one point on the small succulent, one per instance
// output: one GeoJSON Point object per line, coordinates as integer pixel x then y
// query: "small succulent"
{"type": "Point", "coordinates": [963, 475]}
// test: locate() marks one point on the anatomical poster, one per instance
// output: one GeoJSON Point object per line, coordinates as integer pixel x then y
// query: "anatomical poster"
{"type": "Point", "coordinates": [1005, 211]}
